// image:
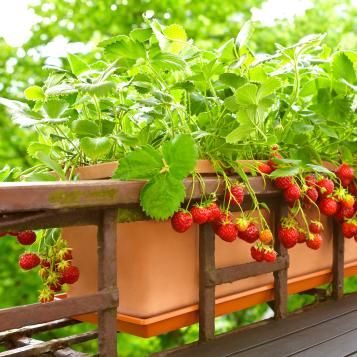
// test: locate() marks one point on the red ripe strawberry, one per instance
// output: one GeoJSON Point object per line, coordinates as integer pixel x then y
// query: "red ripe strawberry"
{"type": "Point", "coordinates": [228, 232]}
{"type": "Point", "coordinates": [270, 255]}
{"type": "Point", "coordinates": [266, 236]}
{"type": "Point", "coordinates": [301, 236]}
{"type": "Point", "coordinates": [326, 186]}
{"type": "Point", "coordinates": [311, 195]}
{"type": "Point", "coordinates": [251, 234]}
{"type": "Point", "coordinates": [310, 180]}
{"type": "Point", "coordinates": [314, 242]}
{"type": "Point", "coordinates": [181, 221]}
{"type": "Point", "coordinates": [256, 253]}
{"type": "Point", "coordinates": [55, 287]}
{"type": "Point", "coordinates": [348, 201]}
{"type": "Point", "coordinates": [26, 237]}
{"type": "Point", "coordinates": [225, 217]}
{"type": "Point", "coordinates": [28, 261]}
{"type": "Point", "coordinates": [69, 275]}
{"type": "Point", "coordinates": [349, 229]}
{"type": "Point", "coordinates": [345, 173]}
{"type": "Point", "coordinates": [214, 212]}
{"type": "Point", "coordinates": [352, 188]}
{"type": "Point", "coordinates": [265, 168]}
{"type": "Point", "coordinates": [315, 227]}
{"type": "Point", "coordinates": [200, 214]}
{"type": "Point", "coordinates": [344, 212]}
{"type": "Point", "coordinates": [45, 263]}
{"type": "Point", "coordinates": [283, 182]}
{"type": "Point", "coordinates": [328, 206]}
{"type": "Point", "coordinates": [68, 255]}
{"type": "Point", "coordinates": [271, 163]}
{"type": "Point", "coordinates": [236, 195]}
{"type": "Point", "coordinates": [288, 236]}
{"type": "Point", "coordinates": [3, 234]}
{"type": "Point", "coordinates": [292, 193]}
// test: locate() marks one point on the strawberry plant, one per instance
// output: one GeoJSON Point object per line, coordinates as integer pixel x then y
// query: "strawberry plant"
{"type": "Point", "coordinates": [156, 103]}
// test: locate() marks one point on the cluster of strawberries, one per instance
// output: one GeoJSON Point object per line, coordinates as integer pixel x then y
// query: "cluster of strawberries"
{"type": "Point", "coordinates": [56, 268]}
{"type": "Point", "coordinates": [224, 226]}
{"type": "Point", "coordinates": [339, 202]}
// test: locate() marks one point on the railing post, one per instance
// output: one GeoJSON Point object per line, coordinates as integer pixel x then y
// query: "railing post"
{"type": "Point", "coordinates": [107, 281]}
{"type": "Point", "coordinates": [280, 276]}
{"type": "Point", "coordinates": [206, 287]}
{"type": "Point", "coordinates": [338, 261]}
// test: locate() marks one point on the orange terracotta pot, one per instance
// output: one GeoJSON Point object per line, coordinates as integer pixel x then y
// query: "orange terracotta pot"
{"type": "Point", "coordinates": [158, 269]}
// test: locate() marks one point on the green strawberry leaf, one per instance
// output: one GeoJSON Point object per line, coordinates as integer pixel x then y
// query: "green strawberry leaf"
{"type": "Point", "coordinates": [247, 94]}
{"type": "Point", "coordinates": [34, 93]}
{"type": "Point", "coordinates": [244, 34]}
{"type": "Point", "coordinates": [286, 171]}
{"type": "Point", "coordinates": [162, 196]}
{"type": "Point", "coordinates": [320, 169]}
{"type": "Point", "coordinates": [96, 148]}
{"type": "Point", "coordinates": [101, 89]}
{"type": "Point", "coordinates": [54, 108]}
{"type": "Point", "coordinates": [342, 68]}
{"type": "Point", "coordinates": [122, 46]}
{"type": "Point", "coordinates": [144, 163]}
{"type": "Point", "coordinates": [85, 128]}
{"type": "Point", "coordinates": [77, 65]}
{"type": "Point", "coordinates": [180, 155]}
{"type": "Point", "coordinates": [52, 164]}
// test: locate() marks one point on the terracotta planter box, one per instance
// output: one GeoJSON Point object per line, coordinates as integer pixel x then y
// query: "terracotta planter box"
{"type": "Point", "coordinates": [158, 270]}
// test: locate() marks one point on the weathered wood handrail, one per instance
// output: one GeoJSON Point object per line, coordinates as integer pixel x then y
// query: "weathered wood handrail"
{"type": "Point", "coordinates": [25, 197]}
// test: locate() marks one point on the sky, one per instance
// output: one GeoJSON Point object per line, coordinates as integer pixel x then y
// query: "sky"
{"type": "Point", "coordinates": [16, 19]}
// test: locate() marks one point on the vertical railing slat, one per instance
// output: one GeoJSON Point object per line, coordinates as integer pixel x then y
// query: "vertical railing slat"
{"type": "Point", "coordinates": [206, 288]}
{"type": "Point", "coordinates": [107, 280]}
{"type": "Point", "coordinates": [281, 276]}
{"type": "Point", "coordinates": [338, 261]}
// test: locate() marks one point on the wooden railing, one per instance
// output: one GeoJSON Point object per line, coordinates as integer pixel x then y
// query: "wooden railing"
{"type": "Point", "coordinates": [61, 204]}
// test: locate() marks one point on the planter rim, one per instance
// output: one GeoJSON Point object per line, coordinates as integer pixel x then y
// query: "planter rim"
{"type": "Point", "coordinates": [107, 169]}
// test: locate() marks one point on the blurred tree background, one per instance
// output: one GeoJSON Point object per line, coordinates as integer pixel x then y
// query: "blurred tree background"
{"type": "Point", "coordinates": [78, 25]}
